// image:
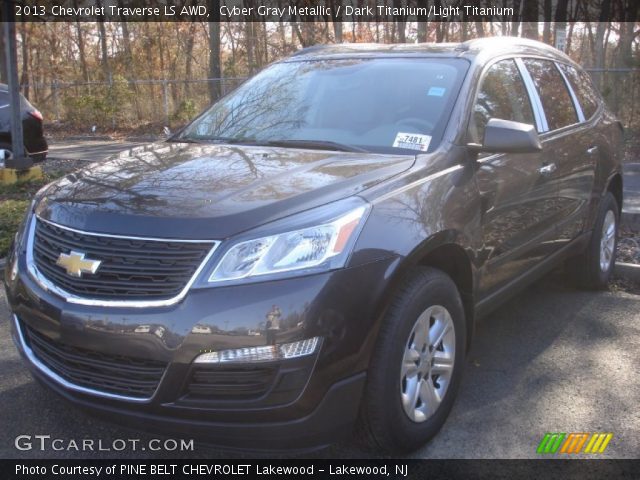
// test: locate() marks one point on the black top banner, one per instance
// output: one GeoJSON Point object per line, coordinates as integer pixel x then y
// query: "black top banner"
{"type": "Point", "coordinates": [326, 10]}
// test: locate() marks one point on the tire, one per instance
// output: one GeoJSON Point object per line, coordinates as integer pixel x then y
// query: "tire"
{"type": "Point", "coordinates": [592, 269]}
{"type": "Point", "coordinates": [6, 146]}
{"type": "Point", "coordinates": [389, 419]}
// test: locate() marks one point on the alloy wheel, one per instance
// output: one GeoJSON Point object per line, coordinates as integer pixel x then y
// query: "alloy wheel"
{"type": "Point", "coordinates": [607, 240]}
{"type": "Point", "coordinates": [427, 363]}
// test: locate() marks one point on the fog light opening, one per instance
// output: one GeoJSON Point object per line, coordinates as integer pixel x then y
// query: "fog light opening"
{"type": "Point", "coordinates": [266, 353]}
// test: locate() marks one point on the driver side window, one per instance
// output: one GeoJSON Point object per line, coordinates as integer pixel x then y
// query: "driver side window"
{"type": "Point", "coordinates": [502, 95]}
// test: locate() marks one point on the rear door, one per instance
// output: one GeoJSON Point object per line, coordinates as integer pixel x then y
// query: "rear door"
{"type": "Point", "coordinates": [519, 198]}
{"type": "Point", "coordinates": [567, 146]}
{"type": "Point", "coordinates": [577, 187]}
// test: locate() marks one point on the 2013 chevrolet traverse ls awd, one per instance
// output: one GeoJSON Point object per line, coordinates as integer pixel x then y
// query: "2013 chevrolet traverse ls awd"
{"type": "Point", "coordinates": [311, 253]}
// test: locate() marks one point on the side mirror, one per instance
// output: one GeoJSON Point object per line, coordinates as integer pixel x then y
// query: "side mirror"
{"type": "Point", "coordinates": [505, 136]}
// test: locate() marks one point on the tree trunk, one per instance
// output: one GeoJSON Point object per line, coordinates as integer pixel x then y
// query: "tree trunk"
{"type": "Point", "coordinates": [560, 19]}
{"type": "Point", "coordinates": [515, 24]}
{"type": "Point", "coordinates": [548, 13]}
{"type": "Point", "coordinates": [250, 45]}
{"type": "Point", "coordinates": [4, 77]}
{"type": "Point", "coordinates": [103, 44]}
{"type": "Point", "coordinates": [624, 57]}
{"type": "Point", "coordinates": [530, 19]}
{"type": "Point", "coordinates": [24, 75]}
{"type": "Point", "coordinates": [188, 61]}
{"type": "Point", "coordinates": [627, 34]}
{"type": "Point", "coordinates": [463, 32]}
{"type": "Point", "coordinates": [599, 41]}
{"type": "Point", "coordinates": [126, 39]}
{"type": "Point", "coordinates": [81, 51]}
{"type": "Point", "coordinates": [265, 44]}
{"type": "Point", "coordinates": [337, 30]}
{"type": "Point", "coordinates": [215, 70]}
{"type": "Point", "coordinates": [128, 62]}
{"type": "Point", "coordinates": [422, 32]}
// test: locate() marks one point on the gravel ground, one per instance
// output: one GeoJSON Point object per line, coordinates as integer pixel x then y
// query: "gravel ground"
{"type": "Point", "coordinates": [61, 166]}
{"type": "Point", "coordinates": [629, 245]}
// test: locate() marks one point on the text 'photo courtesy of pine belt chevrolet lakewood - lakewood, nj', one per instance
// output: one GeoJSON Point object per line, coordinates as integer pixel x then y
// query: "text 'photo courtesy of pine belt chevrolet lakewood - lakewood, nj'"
{"type": "Point", "coordinates": [311, 253]}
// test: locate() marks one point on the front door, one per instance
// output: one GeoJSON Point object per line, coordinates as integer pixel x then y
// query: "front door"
{"type": "Point", "coordinates": [517, 191]}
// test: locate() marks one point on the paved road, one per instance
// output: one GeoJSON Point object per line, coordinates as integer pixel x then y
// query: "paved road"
{"type": "Point", "coordinates": [87, 150]}
{"type": "Point", "coordinates": [551, 360]}
{"type": "Point", "coordinates": [631, 182]}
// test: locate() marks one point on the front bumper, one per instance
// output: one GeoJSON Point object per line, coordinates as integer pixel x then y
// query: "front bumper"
{"type": "Point", "coordinates": [310, 402]}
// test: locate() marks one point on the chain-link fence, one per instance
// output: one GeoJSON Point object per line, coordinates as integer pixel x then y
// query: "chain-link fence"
{"type": "Point", "coordinates": [621, 90]}
{"type": "Point", "coordinates": [123, 103]}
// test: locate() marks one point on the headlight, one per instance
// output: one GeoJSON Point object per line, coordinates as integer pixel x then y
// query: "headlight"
{"type": "Point", "coordinates": [320, 247]}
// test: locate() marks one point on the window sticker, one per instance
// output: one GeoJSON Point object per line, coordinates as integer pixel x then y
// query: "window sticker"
{"type": "Point", "coordinates": [412, 141]}
{"type": "Point", "coordinates": [437, 91]}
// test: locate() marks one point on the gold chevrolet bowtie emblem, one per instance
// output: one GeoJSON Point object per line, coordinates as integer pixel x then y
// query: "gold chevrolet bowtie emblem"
{"type": "Point", "coordinates": [76, 264]}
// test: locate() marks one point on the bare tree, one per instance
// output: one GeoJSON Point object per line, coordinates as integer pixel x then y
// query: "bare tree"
{"type": "Point", "coordinates": [103, 43]}
{"type": "Point", "coordinates": [214, 60]}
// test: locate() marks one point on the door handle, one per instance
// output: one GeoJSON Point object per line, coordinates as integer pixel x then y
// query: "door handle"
{"type": "Point", "coordinates": [592, 150]}
{"type": "Point", "coordinates": [547, 169]}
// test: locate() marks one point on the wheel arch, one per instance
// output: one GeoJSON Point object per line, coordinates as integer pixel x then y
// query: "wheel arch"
{"type": "Point", "coordinates": [614, 185]}
{"type": "Point", "coordinates": [446, 251]}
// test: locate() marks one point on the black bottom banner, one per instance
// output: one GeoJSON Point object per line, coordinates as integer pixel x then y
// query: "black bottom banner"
{"type": "Point", "coordinates": [319, 469]}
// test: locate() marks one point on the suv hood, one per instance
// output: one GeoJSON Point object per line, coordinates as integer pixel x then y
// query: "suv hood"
{"type": "Point", "coordinates": [178, 190]}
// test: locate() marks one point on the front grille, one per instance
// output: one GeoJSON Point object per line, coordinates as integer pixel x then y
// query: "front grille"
{"type": "Point", "coordinates": [131, 269]}
{"type": "Point", "coordinates": [230, 382]}
{"type": "Point", "coordinates": [115, 374]}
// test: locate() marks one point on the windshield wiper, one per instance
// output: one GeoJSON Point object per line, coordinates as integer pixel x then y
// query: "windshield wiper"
{"type": "Point", "coordinates": [291, 143]}
{"type": "Point", "coordinates": [313, 144]}
{"type": "Point", "coordinates": [207, 140]}
{"type": "Point", "coordinates": [183, 140]}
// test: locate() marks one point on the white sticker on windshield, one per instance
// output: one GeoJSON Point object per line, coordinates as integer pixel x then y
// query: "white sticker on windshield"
{"type": "Point", "coordinates": [412, 141]}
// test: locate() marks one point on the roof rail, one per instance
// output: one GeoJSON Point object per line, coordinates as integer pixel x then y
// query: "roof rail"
{"type": "Point", "coordinates": [311, 49]}
{"type": "Point", "coordinates": [504, 39]}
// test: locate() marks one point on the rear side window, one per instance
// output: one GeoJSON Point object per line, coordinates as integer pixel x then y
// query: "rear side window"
{"type": "Point", "coordinates": [583, 88]}
{"type": "Point", "coordinates": [502, 95]}
{"type": "Point", "coordinates": [555, 98]}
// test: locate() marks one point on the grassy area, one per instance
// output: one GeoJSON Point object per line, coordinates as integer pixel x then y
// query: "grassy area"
{"type": "Point", "coordinates": [14, 201]}
{"type": "Point", "coordinates": [11, 214]}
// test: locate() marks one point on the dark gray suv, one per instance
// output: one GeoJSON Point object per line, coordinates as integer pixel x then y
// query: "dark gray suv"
{"type": "Point", "coordinates": [315, 249]}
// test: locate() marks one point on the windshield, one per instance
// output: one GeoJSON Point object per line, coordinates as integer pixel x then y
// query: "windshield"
{"type": "Point", "coordinates": [395, 105]}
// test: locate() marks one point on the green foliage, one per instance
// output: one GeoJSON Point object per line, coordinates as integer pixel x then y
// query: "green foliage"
{"type": "Point", "coordinates": [14, 201]}
{"type": "Point", "coordinates": [232, 68]}
{"type": "Point", "coordinates": [185, 112]}
{"type": "Point", "coordinates": [11, 214]}
{"type": "Point", "coordinates": [103, 106]}
{"type": "Point", "coordinates": [26, 189]}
